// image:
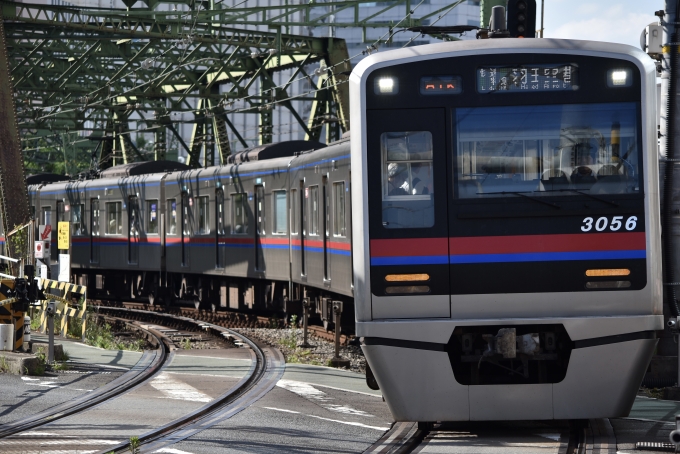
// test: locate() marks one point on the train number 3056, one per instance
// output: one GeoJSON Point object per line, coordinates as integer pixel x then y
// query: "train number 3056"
{"type": "Point", "coordinates": [602, 223]}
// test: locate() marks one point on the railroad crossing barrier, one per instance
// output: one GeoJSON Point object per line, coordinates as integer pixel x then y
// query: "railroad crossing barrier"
{"type": "Point", "coordinates": [65, 306]}
{"type": "Point", "coordinates": [10, 316]}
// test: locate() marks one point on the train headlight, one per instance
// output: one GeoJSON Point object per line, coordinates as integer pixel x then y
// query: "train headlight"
{"type": "Point", "coordinates": [620, 77]}
{"type": "Point", "coordinates": [386, 86]}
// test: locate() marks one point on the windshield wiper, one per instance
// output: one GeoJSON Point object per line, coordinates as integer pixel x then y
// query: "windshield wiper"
{"type": "Point", "coordinates": [523, 194]}
{"type": "Point", "coordinates": [585, 194]}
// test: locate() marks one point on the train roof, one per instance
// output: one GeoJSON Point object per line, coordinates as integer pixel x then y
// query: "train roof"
{"type": "Point", "coordinates": [142, 168]}
{"type": "Point", "coordinates": [43, 178]}
{"type": "Point", "coordinates": [506, 46]}
{"type": "Point", "coordinates": [274, 150]}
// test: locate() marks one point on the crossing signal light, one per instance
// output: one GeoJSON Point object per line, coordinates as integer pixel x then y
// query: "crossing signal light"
{"type": "Point", "coordinates": [522, 18]}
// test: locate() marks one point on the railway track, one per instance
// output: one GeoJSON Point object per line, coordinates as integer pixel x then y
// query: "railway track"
{"type": "Point", "coordinates": [225, 318]}
{"type": "Point", "coordinates": [148, 366]}
{"type": "Point", "coordinates": [266, 370]}
{"type": "Point", "coordinates": [594, 436]}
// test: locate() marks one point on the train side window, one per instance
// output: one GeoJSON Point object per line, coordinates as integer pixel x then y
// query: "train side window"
{"type": "Point", "coordinates": [78, 226]}
{"type": "Point", "coordinates": [293, 211]}
{"type": "Point", "coordinates": [339, 206]}
{"type": "Point", "coordinates": [407, 175]}
{"type": "Point", "coordinates": [46, 216]}
{"type": "Point", "coordinates": [280, 211]}
{"type": "Point", "coordinates": [187, 214]}
{"type": "Point", "coordinates": [152, 216]}
{"type": "Point", "coordinates": [113, 218]}
{"type": "Point", "coordinates": [219, 211]}
{"type": "Point", "coordinates": [313, 210]}
{"type": "Point", "coordinates": [171, 205]}
{"type": "Point", "coordinates": [239, 214]}
{"type": "Point", "coordinates": [203, 215]}
{"type": "Point", "coordinates": [134, 226]}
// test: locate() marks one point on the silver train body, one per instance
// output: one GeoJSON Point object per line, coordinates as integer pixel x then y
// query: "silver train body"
{"type": "Point", "coordinates": [253, 236]}
{"type": "Point", "coordinates": [523, 279]}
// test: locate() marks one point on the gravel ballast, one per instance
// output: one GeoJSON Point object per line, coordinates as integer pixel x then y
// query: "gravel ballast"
{"type": "Point", "coordinates": [322, 351]}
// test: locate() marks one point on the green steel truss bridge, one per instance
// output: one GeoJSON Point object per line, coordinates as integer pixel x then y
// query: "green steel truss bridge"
{"type": "Point", "coordinates": [86, 81]}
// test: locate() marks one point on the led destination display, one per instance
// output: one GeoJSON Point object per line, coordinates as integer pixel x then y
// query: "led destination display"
{"type": "Point", "coordinates": [522, 78]}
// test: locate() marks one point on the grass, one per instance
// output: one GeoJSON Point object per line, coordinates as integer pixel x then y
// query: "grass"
{"type": "Point", "coordinates": [100, 335]}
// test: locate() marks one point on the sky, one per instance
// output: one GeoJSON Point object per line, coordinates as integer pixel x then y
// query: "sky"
{"type": "Point", "coordinates": [619, 21]}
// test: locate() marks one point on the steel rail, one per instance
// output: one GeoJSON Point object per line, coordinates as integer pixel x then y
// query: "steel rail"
{"type": "Point", "coordinates": [150, 364]}
{"type": "Point", "coordinates": [581, 437]}
{"type": "Point", "coordinates": [265, 372]}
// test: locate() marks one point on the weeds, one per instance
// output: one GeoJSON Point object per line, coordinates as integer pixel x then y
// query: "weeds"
{"type": "Point", "coordinates": [134, 445]}
{"type": "Point", "coordinates": [186, 343]}
{"type": "Point", "coordinates": [101, 336]}
{"type": "Point", "coordinates": [4, 367]}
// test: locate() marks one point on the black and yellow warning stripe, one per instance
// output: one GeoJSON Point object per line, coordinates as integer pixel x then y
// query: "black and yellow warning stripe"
{"type": "Point", "coordinates": [63, 286]}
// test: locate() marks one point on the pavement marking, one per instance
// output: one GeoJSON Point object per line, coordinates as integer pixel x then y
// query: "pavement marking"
{"type": "Point", "coordinates": [282, 409]}
{"type": "Point", "coordinates": [30, 379]}
{"type": "Point", "coordinates": [173, 451]}
{"type": "Point", "coordinates": [112, 367]}
{"type": "Point", "coordinates": [308, 391]}
{"type": "Point", "coordinates": [379, 396]}
{"type": "Point", "coordinates": [29, 434]}
{"type": "Point", "coordinates": [176, 389]}
{"type": "Point", "coordinates": [349, 423]}
{"type": "Point", "coordinates": [213, 357]}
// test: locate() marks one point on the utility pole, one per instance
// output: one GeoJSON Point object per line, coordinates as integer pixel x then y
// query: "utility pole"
{"type": "Point", "coordinates": [669, 129]}
{"type": "Point", "coordinates": [542, 11]}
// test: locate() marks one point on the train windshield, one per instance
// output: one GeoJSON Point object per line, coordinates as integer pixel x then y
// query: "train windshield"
{"type": "Point", "coordinates": [547, 150]}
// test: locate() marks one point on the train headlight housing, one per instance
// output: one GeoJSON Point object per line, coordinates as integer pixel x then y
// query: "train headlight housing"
{"type": "Point", "coordinates": [622, 77]}
{"type": "Point", "coordinates": [386, 85]}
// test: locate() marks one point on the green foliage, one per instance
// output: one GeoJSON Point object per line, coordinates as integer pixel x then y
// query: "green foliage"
{"type": "Point", "coordinates": [75, 327]}
{"type": "Point", "coordinates": [100, 335]}
{"type": "Point", "coordinates": [134, 445]}
{"type": "Point", "coordinates": [186, 343]}
{"type": "Point", "coordinates": [4, 367]}
{"type": "Point", "coordinates": [18, 247]}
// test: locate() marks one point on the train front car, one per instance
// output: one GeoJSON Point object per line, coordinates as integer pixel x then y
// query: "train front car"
{"type": "Point", "coordinates": [507, 238]}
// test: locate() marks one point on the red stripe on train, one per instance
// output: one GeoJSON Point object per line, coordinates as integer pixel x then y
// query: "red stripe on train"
{"type": "Point", "coordinates": [572, 242]}
{"type": "Point", "coordinates": [409, 247]}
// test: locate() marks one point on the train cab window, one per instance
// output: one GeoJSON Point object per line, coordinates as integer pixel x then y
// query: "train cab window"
{"type": "Point", "coordinates": [239, 214]}
{"type": "Point", "coordinates": [171, 209]}
{"type": "Point", "coordinates": [77, 224]}
{"type": "Point", "coordinates": [313, 225]}
{"type": "Point", "coordinates": [280, 212]}
{"type": "Point", "coordinates": [46, 216]}
{"type": "Point", "coordinates": [203, 215]}
{"type": "Point", "coordinates": [294, 211]}
{"type": "Point", "coordinates": [555, 150]}
{"type": "Point", "coordinates": [407, 190]}
{"type": "Point", "coordinates": [152, 216]}
{"type": "Point", "coordinates": [339, 206]}
{"type": "Point", "coordinates": [113, 218]}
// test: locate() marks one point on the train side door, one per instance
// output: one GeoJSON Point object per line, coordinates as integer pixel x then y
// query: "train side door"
{"type": "Point", "coordinates": [94, 231]}
{"type": "Point", "coordinates": [133, 230]}
{"type": "Point", "coordinates": [259, 228]}
{"type": "Point", "coordinates": [187, 204]}
{"type": "Point", "coordinates": [326, 212]}
{"type": "Point", "coordinates": [303, 228]}
{"type": "Point", "coordinates": [408, 213]}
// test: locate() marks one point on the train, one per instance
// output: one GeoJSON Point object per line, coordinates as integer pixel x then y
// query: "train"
{"type": "Point", "coordinates": [490, 228]}
{"type": "Point", "coordinates": [506, 230]}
